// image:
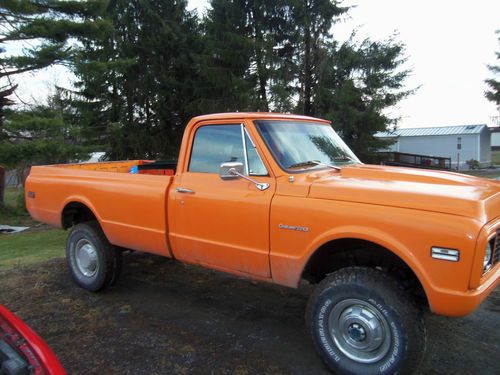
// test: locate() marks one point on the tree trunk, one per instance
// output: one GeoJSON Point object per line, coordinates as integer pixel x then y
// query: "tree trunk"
{"type": "Point", "coordinates": [2, 184]}
{"type": "Point", "coordinates": [258, 45]}
{"type": "Point", "coordinates": [307, 73]}
{"type": "Point", "coordinates": [262, 84]}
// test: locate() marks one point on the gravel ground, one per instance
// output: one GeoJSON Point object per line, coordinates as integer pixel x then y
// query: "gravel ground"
{"type": "Point", "coordinates": [163, 317]}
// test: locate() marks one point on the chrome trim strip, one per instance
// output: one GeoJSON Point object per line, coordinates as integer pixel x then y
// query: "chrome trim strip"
{"type": "Point", "coordinates": [256, 151]}
{"type": "Point", "coordinates": [259, 185]}
{"type": "Point", "coordinates": [248, 135]}
{"type": "Point", "coordinates": [184, 190]}
{"type": "Point", "coordinates": [245, 153]}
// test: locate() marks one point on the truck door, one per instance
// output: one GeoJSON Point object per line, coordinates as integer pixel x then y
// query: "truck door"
{"type": "Point", "coordinates": [223, 224]}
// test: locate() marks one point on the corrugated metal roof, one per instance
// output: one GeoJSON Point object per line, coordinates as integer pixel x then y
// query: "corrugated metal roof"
{"type": "Point", "coordinates": [439, 130]}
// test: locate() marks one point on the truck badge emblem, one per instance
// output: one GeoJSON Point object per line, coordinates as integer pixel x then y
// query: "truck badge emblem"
{"type": "Point", "coordinates": [293, 227]}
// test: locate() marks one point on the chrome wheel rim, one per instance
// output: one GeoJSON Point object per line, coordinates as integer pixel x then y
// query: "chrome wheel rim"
{"type": "Point", "coordinates": [359, 330]}
{"type": "Point", "coordinates": [86, 258]}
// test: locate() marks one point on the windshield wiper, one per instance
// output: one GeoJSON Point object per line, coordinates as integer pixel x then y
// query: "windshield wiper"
{"type": "Point", "coordinates": [312, 163]}
{"type": "Point", "coordinates": [346, 158]}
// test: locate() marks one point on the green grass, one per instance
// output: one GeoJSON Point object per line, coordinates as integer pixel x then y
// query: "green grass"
{"type": "Point", "coordinates": [488, 173]}
{"type": "Point", "coordinates": [11, 196]}
{"type": "Point", "coordinates": [28, 247]}
{"type": "Point", "coordinates": [25, 248]}
{"type": "Point", "coordinates": [495, 157]}
{"type": "Point", "coordinates": [12, 211]}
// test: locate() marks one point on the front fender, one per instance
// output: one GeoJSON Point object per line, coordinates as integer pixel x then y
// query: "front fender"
{"type": "Point", "coordinates": [282, 266]}
{"type": "Point", "coordinates": [375, 236]}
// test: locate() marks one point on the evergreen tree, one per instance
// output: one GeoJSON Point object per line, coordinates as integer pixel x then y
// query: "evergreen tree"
{"type": "Point", "coordinates": [144, 67]}
{"type": "Point", "coordinates": [289, 60]}
{"type": "Point", "coordinates": [136, 84]}
{"type": "Point", "coordinates": [493, 92]}
{"type": "Point", "coordinates": [43, 28]}
{"type": "Point", "coordinates": [314, 20]}
{"type": "Point", "coordinates": [357, 84]}
{"type": "Point", "coordinates": [40, 134]}
{"type": "Point", "coordinates": [225, 60]}
{"type": "Point", "coordinates": [249, 56]}
{"type": "Point", "coordinates": [272, 32]}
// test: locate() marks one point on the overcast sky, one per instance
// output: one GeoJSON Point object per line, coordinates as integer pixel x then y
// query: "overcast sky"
{"type": "Point", "coordinates": [449, 43]}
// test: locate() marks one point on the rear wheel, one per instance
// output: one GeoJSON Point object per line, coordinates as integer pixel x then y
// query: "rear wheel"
{"type": "Point", "coordinates": [92, 261]}
{"type": "Point", "coordinates": [361, 322]}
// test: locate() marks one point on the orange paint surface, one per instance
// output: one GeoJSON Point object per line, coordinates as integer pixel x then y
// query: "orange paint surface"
{"type": "Point", "coordinates": [231, 226]}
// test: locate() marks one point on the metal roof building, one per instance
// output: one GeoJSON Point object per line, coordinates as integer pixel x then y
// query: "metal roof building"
{"type": "Point", "coordinates": [495, 138]}
{"type": "Point", "coordinates": [460, 143]}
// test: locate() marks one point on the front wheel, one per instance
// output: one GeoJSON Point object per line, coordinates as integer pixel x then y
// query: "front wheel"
{"type": "Point", "coordinates": [361, 322]}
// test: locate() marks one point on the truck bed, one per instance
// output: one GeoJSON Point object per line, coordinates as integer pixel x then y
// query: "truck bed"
{"type": "Point", "coordinates": [131, 207]}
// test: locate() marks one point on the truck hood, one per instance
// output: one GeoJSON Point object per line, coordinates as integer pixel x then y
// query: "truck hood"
{"type": "Point", "coordinates": [420, 189]}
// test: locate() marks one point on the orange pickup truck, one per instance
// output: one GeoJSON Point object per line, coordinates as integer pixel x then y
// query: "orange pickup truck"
{"type": "Point", "coordinates": [282, 199]}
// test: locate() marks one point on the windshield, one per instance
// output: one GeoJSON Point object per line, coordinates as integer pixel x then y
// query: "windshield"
{"type": "Point", "coordinates": [300, 145]}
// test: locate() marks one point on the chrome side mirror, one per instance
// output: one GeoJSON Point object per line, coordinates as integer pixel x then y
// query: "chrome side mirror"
{"type": "Point", "coordinates": [231, 170]}
{"type": "Point", "coordinates": [235, 170]}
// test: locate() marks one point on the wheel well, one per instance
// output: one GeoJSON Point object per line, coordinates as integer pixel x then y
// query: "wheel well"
{"type": "Point", "coordinates": [349, 252]}
{"type": "Point", "coordinates": [75, 213]}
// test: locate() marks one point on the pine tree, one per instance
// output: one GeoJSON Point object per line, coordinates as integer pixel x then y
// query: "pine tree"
{"type": "Point", "coordinates": [493, 92]}
{"type": "Point", "coordinates": [41, 134]}
{"type": "Point", "coordinates": [314, 20]}
{"type": "Point", "coordinates": [145, 67]}
{"type": "Point", "coordinates": [282, 55]}
{"type": "Point", "coordinates": [271, 32]}
{"type": "Point", "coordinates": [357, 84]}
{"type": "Point", "coordinates": [226, 58]}
{"type": "Point", "coordinates": [136, 85]}
{"type": "Point", "coordinates": [43, 28]}
{"type": "Point", "coordinates": [249, 54]}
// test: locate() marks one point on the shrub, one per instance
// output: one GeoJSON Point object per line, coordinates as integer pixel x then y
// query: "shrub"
{"type": "Point", "coordinates": [473, 164]}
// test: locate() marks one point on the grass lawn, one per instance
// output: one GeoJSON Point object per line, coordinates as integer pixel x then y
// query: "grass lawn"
{"type": "Point", "coordinates": [488, 173]}
{"type": "Point", "coordinates": [11, 213]}
{"type": "Point", "coordinates": [495, 157]}
{"type": "Point", "coordinates": [31, 246]}
{"type": "Point", "coordinates": [25, 248]}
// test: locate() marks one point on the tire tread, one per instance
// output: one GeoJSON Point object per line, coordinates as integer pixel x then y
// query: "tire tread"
{"type": "Point", "coordinates": [389, 289]}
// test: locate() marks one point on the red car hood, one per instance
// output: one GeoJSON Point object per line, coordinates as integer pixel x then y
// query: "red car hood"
{"type": "Point", "coordinates": [31, 348]}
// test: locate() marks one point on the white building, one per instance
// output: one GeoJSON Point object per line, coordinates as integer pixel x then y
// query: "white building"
{"type": "Point", "coordinates": [495, 138]}
{"type": "Point", "coordinates": [459, 143]}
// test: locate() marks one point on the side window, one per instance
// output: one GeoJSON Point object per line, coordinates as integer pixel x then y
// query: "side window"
{"type": "Point", "coordinates": [255, 165]}
{"type": "Point", "coordinates": [214, 145]}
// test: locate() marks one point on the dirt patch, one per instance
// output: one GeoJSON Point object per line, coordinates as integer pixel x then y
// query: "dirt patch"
{"type": "Point", "coordinates": [167, 318]}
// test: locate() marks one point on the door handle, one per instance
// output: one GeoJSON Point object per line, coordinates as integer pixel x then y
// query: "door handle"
{"type": "Point", "coordinates": [184, 190]}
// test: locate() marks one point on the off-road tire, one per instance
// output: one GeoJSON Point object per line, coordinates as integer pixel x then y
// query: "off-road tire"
{"type": "Point", "coordinates": [107, 258]}
{"type": "Point", "coordinates": [370, 293]}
